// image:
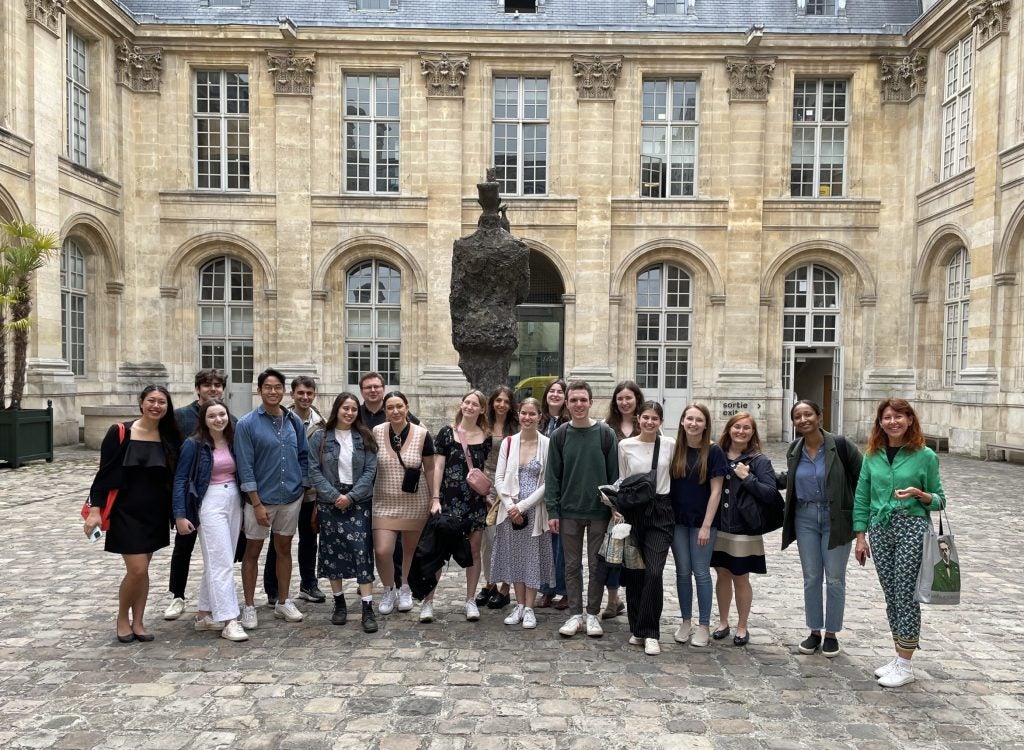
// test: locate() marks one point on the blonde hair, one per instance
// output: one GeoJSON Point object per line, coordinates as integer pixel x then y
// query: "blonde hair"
{"type": "Point", "coordinates": [679, 467]}
{"type": "Point", "coordinates": [482, 421]}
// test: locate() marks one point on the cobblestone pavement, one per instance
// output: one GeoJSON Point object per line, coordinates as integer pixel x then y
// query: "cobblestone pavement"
{"type": "Point", "coordinates": [449, 685]}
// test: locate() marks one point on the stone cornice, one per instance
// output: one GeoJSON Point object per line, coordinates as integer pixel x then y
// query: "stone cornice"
{"type": "Point", "coordinates": [991, 18]}
{"type": "Point", "coordinates": [139, 68]}
{"type": "Point", "coordinates": [903, 77]}
{"type": "Point", "coordinates": [596, 76]}
{"type": "Point", "coordinates": [445, 74]}
{"type": "Point", "coordinates": [749, 78]}
{"type": "Point", "coordinates": [292, 73]}
{"type": "Point", "coordinates": [46, 13]}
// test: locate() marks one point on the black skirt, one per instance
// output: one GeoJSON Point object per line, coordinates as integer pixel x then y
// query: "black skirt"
{"type": "Point", "coordinates": [140, 519]}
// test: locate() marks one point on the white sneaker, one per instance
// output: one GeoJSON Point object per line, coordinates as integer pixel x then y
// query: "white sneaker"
{"type": "Point", "coordinates": [387, 602]}
{"type": "Point", "coordinates": [404, 599]}
{"type": "Point", "coordinates": [248, 619]}
{"type": "Point", "coordinates": [683, 631]}
{"type": "Point", "coordinates": [594, 629]}
{"type": "Point", "coordinates": [572, 626]}
{"type": "Point", "coordinates": [427, 611]}
{"type": "Point", "coordinates": [701, 637]}
{"type": "Point", "coordinates": [635, 640]}
{"type": "Point", "coordinates": [529, 618]}
{"type": "Point", "coordinates": [233, 631]}
{"type": "Point", "coordinates": [652, 647]}
{"type": "Point", "coordinates": [472, 611]}
{"type": "Point", "coordinates": [206, 622]}
{"type": "Point", "coordinates": [174, 609]}
{"type": "Point", "coordinates": [287, 611]}
{"type": "Point", "coordinates": [898, 675]}
{"type": "Point", "coordinates": [885, 669]}
{"type": "Point", "coordinates": [515, 616]}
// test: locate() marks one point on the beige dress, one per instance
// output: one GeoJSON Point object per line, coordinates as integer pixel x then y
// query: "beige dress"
{"type": "Point", "coordinates": [392, 508]}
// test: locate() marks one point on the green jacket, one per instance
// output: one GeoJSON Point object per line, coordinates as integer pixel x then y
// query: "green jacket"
{"type": "Point", "coordinates": [576, 467]}
{"type": "Point", "coordinates": [876, 499]}
{"type": "Point", "coordinates": [838, 489]}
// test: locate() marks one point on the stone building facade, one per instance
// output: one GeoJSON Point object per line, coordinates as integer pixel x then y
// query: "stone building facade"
{"type": "Point", "coordinates": [734, 203]}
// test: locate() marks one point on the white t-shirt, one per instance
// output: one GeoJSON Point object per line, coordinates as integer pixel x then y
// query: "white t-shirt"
{"type": "Point", "coordinates": [344, 438]}
{"type": "Point", "coordinates": [635, 458]}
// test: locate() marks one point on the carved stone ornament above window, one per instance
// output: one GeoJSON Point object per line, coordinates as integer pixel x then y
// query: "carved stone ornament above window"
{"type": "Point", "coordinates": [293, 74]}
{"type": "Point", "coordinates": [596, 76]}
{"type": "Point", "coordinates": [46, 13]}
{"type": "Point", "coordinates": [445, 74]}
{"type": "Point", "coordinates": [903, 77]}
{"type": "Point", "coordinates": [990, 18]}
{"type": "Point", "coordinates": [749, 78]}
{"type": "Point", "coordinates": [139, 68]}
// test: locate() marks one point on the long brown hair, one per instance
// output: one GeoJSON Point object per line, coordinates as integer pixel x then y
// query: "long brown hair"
{"type": "Point", "coordinates": [913, 440]}
{"type": "Point", "coordinates": [615, 417]}
{"type": "Point", "coordinates": [202, 433]}
{"type": "Point", "coordinates": [512, 418]}
{"type": "Point", "coordinates": [725, 442]}
{"type": "Point", "coordinates": [369, 443]}
{"type": "Point", "coordinates": [679, 467]}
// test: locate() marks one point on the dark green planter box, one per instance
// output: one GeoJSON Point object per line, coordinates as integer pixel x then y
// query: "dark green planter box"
{"type": "Point", "coordinates": [26, 435]}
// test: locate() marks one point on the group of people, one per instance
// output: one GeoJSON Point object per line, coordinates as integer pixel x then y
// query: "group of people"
{"type": "Point", "coordinates": [524, 481]}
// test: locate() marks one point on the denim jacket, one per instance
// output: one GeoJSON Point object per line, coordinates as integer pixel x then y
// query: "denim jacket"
{"type": "Point", "coordinates": [204, 470]}
{"type": "Point", "coordinates": [325, 479]}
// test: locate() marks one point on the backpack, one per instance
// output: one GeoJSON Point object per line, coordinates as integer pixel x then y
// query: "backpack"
{"type": "Point", "coordinates": [607, 437]}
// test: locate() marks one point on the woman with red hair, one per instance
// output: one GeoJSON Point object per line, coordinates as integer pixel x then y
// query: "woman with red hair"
{"type": "Point", "coordinates": [899, 486]}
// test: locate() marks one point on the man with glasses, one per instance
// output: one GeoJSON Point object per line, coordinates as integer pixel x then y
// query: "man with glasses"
{"type": "Point", "coordinates": [272, 458]}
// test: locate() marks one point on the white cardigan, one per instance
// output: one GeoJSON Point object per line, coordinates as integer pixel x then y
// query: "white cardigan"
{"type": "Point", "coordinates": [506, 481]}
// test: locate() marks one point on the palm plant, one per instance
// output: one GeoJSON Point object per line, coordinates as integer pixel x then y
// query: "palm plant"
{"type": "Point", "coordinates": [24, 249]}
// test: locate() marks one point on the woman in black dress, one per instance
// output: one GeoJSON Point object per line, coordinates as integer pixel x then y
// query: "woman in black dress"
{"type": "Point", "coordinates": [140, 468]}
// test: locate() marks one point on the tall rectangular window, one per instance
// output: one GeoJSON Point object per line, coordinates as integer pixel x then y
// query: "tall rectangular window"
{"type": "Point", "coordinates": [222, 130]}
{"type": "Point", "coordinates": [521, 135]}
{"type": "Point", "coordinates": [820, 126]}
{"type": "Point", "coordinates": [72, 306]}
{"type": "Point", "coordinates": [372, 133]}
{"type": "Point", "coordinates": [669, 129]}
{"type": "Point", "coordinates": [77, 94]}
{"type": "Point", "coordinates": [956, 109]}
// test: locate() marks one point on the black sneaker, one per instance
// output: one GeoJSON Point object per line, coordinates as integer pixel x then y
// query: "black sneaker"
{"type": "Point", "coordinates": [312, 594]}
{"type": "Point", "coordinates": [340, 615]}
{"type": "Point", "coordinates": [369, 621]}
{"type": "Point", "coordinates": [830, 646]}
{"type": "Point", "coordinates": [810, 644]}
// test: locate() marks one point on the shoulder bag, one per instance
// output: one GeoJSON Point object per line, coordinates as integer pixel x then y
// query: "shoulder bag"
{"type": "Point", "coordinates": [760, 517]}
{"type": "Point", "coordinates": [637, 491]}
{"type": "Point", "coordinates": [476, 479]}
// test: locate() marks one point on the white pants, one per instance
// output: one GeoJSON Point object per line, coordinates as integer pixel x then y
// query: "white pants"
{"type": "Point", "coordinates": [220, 518]}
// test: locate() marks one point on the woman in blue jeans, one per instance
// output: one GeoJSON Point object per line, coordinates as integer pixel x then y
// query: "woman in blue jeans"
{"type": "Point", "coordinates": [698, 468]}
{"type": "Point", "coordinates": [821, 477]}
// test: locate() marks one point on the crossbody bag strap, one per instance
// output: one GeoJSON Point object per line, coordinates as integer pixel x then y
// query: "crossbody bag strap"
{"type": "Point", "coordinates": [465, 448]}
{"type": "Point", "coordinates": [654, 459]}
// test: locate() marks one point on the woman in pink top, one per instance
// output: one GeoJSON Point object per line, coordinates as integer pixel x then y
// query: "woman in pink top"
{"type": "Point", "coordinates": [208, 464]}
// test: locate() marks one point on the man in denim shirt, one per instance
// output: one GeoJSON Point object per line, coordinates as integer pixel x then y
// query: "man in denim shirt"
{"type": "Point", "coordinates": [272, 459]}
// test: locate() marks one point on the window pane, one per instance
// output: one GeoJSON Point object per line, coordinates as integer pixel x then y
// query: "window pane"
{"type": "Point", "coordinates": [647, 366]}
{"type": "Point", "coordinates": [359, 324]}
{"type": "Point", "coordinates": [519, 135]}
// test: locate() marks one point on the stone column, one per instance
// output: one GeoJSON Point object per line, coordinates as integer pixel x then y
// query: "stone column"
{"type": "Point", "coordinates": [596, 77]}
{"type": "Point", "coordinates": [444, 78]}
{"type": "Point", "coordinates": [48, 376]}
{"type": "Point", "coordinates": [291, 75]}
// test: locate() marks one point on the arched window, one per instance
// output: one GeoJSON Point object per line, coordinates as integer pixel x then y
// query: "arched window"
{"type": "Point", "coordinates": [811, 314]}
{"type": "Point", "coordinates": [373, 321]}
{"type": "Point", "coordinates": [225, 325]}
{"type": "Point", "coordinates": [664, 309]}
{"type": "Point", "coordinates": [958, 303]}
{"type": "Point", "coordinates": [72, 306]}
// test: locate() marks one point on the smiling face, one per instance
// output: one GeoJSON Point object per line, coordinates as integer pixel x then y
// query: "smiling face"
{"type": "Point", "coordinates": [650, 422]}
{"type": "Point", "coordinates": [470, 408]}
{"type": "Point", "coordinates": [373, 391]}
{"type": "Point", "coordinates": [895, 425]}
{"type": "Point", "coordinates": [154, 405]}
{"type": "Point", "coordinates": [303, 396]}
{"type": "Point", "coordinates": [579, 404]}
{"type": "Point", "coordinates": [396, 411]}
{"type": "Point", "coordinates": [555, 398]}
{"type": "Point", "coordinates": [501, 404]}
{"type": "Point", "coordinates": [805, 419]}
{"type": "Point", "coordinates": [271, 392]}
{"type": "Point", "coordinates": [693, 422]}
{"type": "Point", "coordinates": [528, 416]}
{"type": "Point", "coordinates": [626, 401]}
{"type": "Point", "coordinates": [216, 419]}
{"type": "Point", "coordinates": [348, 410]}
{"type": "Point", "coordinates": [740, 433]}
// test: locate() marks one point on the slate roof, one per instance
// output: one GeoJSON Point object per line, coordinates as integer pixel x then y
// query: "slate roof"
{"type": "Point", "coordinates": [862, 16]}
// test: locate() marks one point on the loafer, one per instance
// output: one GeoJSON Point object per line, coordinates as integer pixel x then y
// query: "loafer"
{"type": "Point", "coordinates": [741, 640]}
{"type": "Point", "coordinates": [721, 633]}
{"type": "Point", "coordinates": [562, 603]}
{"type": "Point", "coordinates": [810, 644]}
{"type": "Point", "coordinates": [499, 600]}
{"type": "Point", "coordinates": [483, 596]}
{"type": "Point", "coordinates": [683, 631]}
{"type": "Point", "coordinates": [144, 637]}
{"type": "Point", "coordinates": [700, 637]}
{"type": "Point", "coordinates": [830, 647]}
{"type": "Point", "coordinates": [545, 601]}
{"type": "Point", "coordinates": [125, 638]}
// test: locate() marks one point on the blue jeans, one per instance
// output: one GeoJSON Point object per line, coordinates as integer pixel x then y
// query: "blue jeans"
{"type": "Point", "coordinates": [821, 565]}
{"type": "Point", "coordinates": [693, 560]}
{"type": "Point", "coordinates": [559, 557]}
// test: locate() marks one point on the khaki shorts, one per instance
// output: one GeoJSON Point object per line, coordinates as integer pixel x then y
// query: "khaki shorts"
{"type": "Point", "coordinates": [284, 520]}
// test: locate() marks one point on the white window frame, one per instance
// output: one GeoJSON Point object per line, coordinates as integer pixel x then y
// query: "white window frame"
{"type": "Point", "coordinates": [77, 97]}
{"type": "Point", "coordinates": [373, 321]}
{"type": "Point", "coordinates": [956, 108]}
{"type": "Point", "coordinates": [821, 8]}
{"type": "Point", "coordinates": [653, 145]}
{"type": "Point", "coordinates": [380, 120]}
{"type": "Point", "coordinates": [812, 306]}
{"type": "Point", "coordinates": [956, 311]}
{"type": "Point", "coordinates": [663, 331]}
{"type": "Point", "coordinates": [810, 128]}
{"type": "Point", "coordinates": [231, 127]}
{"type": "Point", "coordinates": [530, 123]}
{"type": "Point", "coordinates": [236, 315]}
{"type": "Point", "coordinates": [73, 306]}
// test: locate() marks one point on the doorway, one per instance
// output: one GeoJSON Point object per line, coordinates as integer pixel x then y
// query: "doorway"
{"type": "Point", "coordinates": [541, 322]}
{"type": "Point", "coordinates": [815, 374]}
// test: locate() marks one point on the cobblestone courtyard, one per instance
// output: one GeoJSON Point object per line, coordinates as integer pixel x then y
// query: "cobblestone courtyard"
{"type": "Point", "coordinates": [450, 685]}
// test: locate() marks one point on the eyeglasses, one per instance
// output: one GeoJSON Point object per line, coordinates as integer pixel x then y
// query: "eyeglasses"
{"type": "Point", "coordinates": [272, 388]}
